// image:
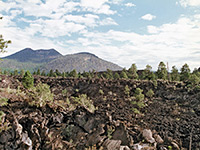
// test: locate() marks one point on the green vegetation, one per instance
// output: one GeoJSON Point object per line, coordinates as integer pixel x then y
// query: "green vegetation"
{"type": "Point", "coordinates": [132, 72]}
{"type": "Point", "coordinates": [127, 91]}
{"type": "Point", "coordinates": [101, 92]}
{"type": "Point", "coordinates": [185, 72]}
{"type": "Point", "coordinates": [3, 101]}
{"type": "Point", "coordinates": [175, 76]}
{"type": "Point", "coordinates": [83, 100]}
{"type": "Point", "coordinates": [150, 93]}
{"type": "Point", "coordinates": [3, 43]}
{"type": "Point", "coordinates": [162, 71]}
{"type": "Point", "coordinates": [41, 95]}
{"type": "Point", "coordinates": [28, 80]}
{"type": "Point", "coordinates": [138, 94]}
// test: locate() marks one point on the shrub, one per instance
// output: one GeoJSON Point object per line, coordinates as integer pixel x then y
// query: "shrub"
{"type": "Point", "coordinates": [127, 90]}
{"type": "Point", "coordinates": [41, 95]}
{"type": "Point", "coordinates": [150, 93]}
{"type": "Point", "coordinates": [84, 101]}
{"type": "Point", "coordinates": [3, 101]}
{"type": "Point", "coordinates": [4, 126]}
{"type": "Point", "coordinates": [138, 94]}
{"type": "Point", "coordinates": [28, 80]}
{"type": "Point", "coordinates": [101, 92]}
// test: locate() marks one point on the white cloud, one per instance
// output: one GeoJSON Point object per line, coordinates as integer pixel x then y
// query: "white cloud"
{"type": "Point", "coordinates": [97, 6]}
{"type": "Point", "coordinates": [88, 19]}
{"type": "Point", "coordinates": [194, 3]}
{"type": "Point", "coordinates": [148, 17]}
{"type": "Point", "coordinates": [108, 21]}
{"type": "Point", "coordinates": [93, 3]}
{"type": "Point", "coordinates": [175, 43]}
{"type": "Point", "coordinates": [130, 5]}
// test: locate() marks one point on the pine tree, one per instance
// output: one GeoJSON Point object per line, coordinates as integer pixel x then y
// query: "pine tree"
{"type": "Point", "coordinates": [116, 76]}
{"type": "Point", "coordinates": [123, 74]}
{"type": "Point", "coordinates": [162, 71]}
{"type": "Point", "coordinates": [73, 73]}
{"type": "Point", "coordinates": [28, 80]}
{"type": "Point", "coordinates": [15, 72]}
{"type": "Point", "coordinates": [3, 43]}
{"type": "Point", "coordinates": [51, 74]}
{"type": "Point", "coordinates": [22, 73]}
{"type": "Point", "coordinates": [38, 72]}
{"type": "Point", "coordinates": [147, 74]}
{"type": "Point", "coordinates": [185, 72]}
{"type": "Point", "coordinates": [175, 76]}
{"type": "Point", "coordinates": [43, 73]}
{"type": "Point", "coordinates": [132, 72]}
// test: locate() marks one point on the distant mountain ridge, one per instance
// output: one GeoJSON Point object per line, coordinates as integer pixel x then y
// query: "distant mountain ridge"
{"type": "Point", "coordinates": [29, 59]}
{"type": "Point", "coordinates": [36, 56]}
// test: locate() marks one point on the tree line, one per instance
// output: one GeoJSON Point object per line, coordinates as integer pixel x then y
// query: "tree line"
{"type": "Point", "coordinates": [184, 74]}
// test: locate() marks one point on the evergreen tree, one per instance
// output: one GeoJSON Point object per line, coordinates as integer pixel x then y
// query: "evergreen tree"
{"type": "Point", "coordinates": [63, 74]}
{"type": "Point", "coordinates": [15, 72]}
{"type": "Point", "coordinates": [43, 73]}
{"type": "Point", "coordinates": [162, 71]}
{"type": "Point", "coordinates": [86, 74]}
{"type": "Point", "coordinates": [175, 76]}
{"type": "Point", "coordinates": [109, 74]}
{"type": "Point", "coordinates": [28, 80]}
{"type": "Point", "coordinates": [185, 72]}
{"type": "Point", "coordinates": [196, 72]}
{"type": "Point", "coordinates": [57, 73]}
{"type": "Point", "coordinates": [194, 80]}
{"type": "Point", "coordinates": [3, 43]}
{"type": "Point", "coordinates": [123, 74]}
{"type": "Point", "coordinates": [51, 73]}
{"type": "Point", "coordinates": [38, 72]}
{"type": "Point", "coordinates": [5, 72]}
{"type": "Point", "coordinates": [147, 73]}
{"type": "Point", "coordinates": [22, 73]}
{"type": "Point", "coordinates": [132, 72]}
{"type": "Point", "coordinates": [73, 73]}
{"type": "Point", "coordinates": [116, 76]}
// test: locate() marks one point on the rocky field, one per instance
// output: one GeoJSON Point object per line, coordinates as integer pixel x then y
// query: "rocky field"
{"type": "Point", "coordinates": [90, 114]}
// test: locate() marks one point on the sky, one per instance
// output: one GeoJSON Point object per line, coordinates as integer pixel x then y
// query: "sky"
{"type": "Point", "coordinates": [121, 31]}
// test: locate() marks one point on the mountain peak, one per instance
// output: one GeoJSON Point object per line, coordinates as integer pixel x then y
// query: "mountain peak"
{"type": "Point", "coordinates": [36, 56]}
{"type": "Point", "coordinates": [87, 53]}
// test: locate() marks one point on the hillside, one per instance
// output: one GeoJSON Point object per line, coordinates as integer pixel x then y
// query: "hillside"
{"type": "Point", "coordinates": [34, 56]}
{"type": "Point", "coordinates": [32, 60]}
{"type": "Point", "coordinates": [28, 59]}
{"type": "Point", "coordinates": [81, 62]}
{"type": "Point", "coordinates": [91, 114]}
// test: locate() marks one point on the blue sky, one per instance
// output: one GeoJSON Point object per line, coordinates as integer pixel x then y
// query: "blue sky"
{"type": "Point", "coordinates": [121, 31]}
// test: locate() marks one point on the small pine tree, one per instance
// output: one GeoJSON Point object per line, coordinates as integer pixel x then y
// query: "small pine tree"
{"type": "Point", "coordinates": [162, 71]}
{"type": "Point", "coordinates": [138, 94]}
{"type": "Point", "coordinates": [175, 76]}
{"type": "Point", "coordinates": [123, 74]}
{"type": "Point", "coordinates": [132, 72]}
{"type": "Point", "coordinates": [28, 80]}
{"type": "Point", "coordinates": [73, 73]}
{"type": "Point", "coordinates": [185, 72]}
{"type": "Point", "coordinates": [147, 74]}
{"type": "Point", "coordinates": [38, 72]}
{"type": "Point", "coordinates": [43, 73]}
{"type": "Point", "coordinates": [194, 80]}
{"type": "Point", "coordinates": [116, 76]}
{"type": "Point", "coordinates": [22, 73]}
{"type": "Point", "coordinates": [110, 74]}
{"type": "Point", "coordinates": [15, 72]}
{"type": "Point", "coordinates": [51, 74]}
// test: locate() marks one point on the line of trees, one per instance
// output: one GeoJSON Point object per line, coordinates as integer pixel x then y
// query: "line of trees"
{"type": "Point", "coordinates": [184, 75]}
